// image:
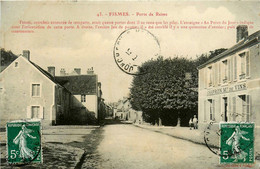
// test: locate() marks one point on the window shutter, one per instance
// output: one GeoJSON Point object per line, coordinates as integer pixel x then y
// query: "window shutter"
{"type": "Point", "coordinates": [228, 69]}
{"type": "Point", "coordinates": [216, 74]}
{"type": "Point", "coordinates": [231, 68]}
{"type": "Point", "coordinates": [229, 109]}
{"type": "Point", "coordinates": [234, 108]}
{"type": "Point", "coordinates": [29, 112]}
{"type": "Point", "coordinates": [205, 78]}
{"type": "Point", "coordinates": [219, 72]}
{"type": "Point", "coordinates": [41, 112]}
{"type": "Point", "coordinates": [248, 109]}
{"type": "Point", "coordinates": [235, 67]}
{"type": "Point", "coordinates": [205, 110]}
{"type": "Point", "coordinates": [247, 64]}
{"type": "Point", "coordinates": [213, 110]}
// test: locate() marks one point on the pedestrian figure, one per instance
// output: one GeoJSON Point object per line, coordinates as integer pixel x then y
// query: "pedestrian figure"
{"type": "Point", "coordinates": [195, 122]}
{"type": "Point", "coordinates": [190, 123]}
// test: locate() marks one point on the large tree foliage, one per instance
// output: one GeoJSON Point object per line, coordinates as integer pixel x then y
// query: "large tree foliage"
{"type": "Point", "coordinates": [6, 58]}
{"type": "Point", "coordinates": [164, 92]}
{"type": "Point", "coordinates": [205, 57]}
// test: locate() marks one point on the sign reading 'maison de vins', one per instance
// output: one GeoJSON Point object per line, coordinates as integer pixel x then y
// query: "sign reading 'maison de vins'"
{"type": "Point", "coordinates": [227, 89]}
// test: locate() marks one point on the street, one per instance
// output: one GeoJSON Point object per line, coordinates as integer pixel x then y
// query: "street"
{"type": "Point", "coordinates": [120, 146]}
{"type": "Point", "coordinates": [127, 146]}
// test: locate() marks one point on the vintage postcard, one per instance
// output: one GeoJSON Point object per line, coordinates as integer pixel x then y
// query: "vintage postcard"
{"type": "Point", "coordinates": [130, 84]}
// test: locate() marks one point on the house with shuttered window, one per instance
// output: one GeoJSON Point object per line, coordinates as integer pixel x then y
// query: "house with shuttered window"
{"type": "Point", "coordinates": [29, 92]}
{"type": "Point", "coordinates": [229, 84]}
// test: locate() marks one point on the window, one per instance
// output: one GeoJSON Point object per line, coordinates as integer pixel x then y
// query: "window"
{"type": "Point", "coordinates": [235, 68]}
{"type": "Point", "coordinates": [244, 108]}
{"type": "Point", "coordinates": [35, 112]}
{"type": "Point", "coordinates": [35, 90]}
{"type": "Point", "coordinates": [225, 71]}
{"type": "Point", "coordinates": [211, 109]}
{"type": "Point", "coordinates": [16, 64]}
{"type": "Point", "coordinates": [234, 113]}
{"type": "Point", "coordinates": [210, 76]}
{"type": "Point", "coordinates": [242, 66]}
{"type": "Point", "coordinates": [83, 98]}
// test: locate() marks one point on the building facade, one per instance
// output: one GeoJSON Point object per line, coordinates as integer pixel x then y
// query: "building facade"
{"type": "Point", "coordinates": [85, 89]}
{"type": "Point", "coordinates": [29, 92]}
{"type": "Point", "coordinates": [229, 84]}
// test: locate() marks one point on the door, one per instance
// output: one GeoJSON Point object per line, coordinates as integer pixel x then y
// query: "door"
{"type": "Point", "coordinates": [225, 109]}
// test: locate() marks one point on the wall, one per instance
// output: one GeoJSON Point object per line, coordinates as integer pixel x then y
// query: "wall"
{"type": "Point", "coordinates": [62, 102]}
{"type": "Point", "coordinates": [90, 104]}
{"type": "Point", "coordinates": [16, 98]}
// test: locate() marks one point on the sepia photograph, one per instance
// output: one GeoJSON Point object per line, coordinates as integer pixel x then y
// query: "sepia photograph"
{"type": "Point", "coordinates": [130, 84]}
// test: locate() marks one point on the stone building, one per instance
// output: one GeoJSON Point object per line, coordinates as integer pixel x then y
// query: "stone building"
{"type": "Point", "coordinates": [30, 92]}
{"type": "Point", "coordinates": [229, 84]}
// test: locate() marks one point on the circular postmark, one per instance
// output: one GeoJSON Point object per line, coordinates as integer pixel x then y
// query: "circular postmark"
{"type": "Point", "coordinates": [210, 137]}
{"type": "Point", "coordinates": [24, 143]}
{"type": "Point", "coordinates": [133, 47]}
{"type": "Point", "coordinates": [233, 143]}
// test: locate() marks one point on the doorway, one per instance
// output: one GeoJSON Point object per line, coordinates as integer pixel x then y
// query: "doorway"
{"type": "Point", "coordinates": [225, 109]}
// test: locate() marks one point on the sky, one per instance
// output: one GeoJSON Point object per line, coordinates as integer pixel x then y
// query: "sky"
{"type": "Point", "coordinates": [83, 49]}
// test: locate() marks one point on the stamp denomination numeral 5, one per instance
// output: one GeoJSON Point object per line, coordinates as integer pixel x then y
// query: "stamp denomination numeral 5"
{"type": "Point", "coordinates": [13, 154]}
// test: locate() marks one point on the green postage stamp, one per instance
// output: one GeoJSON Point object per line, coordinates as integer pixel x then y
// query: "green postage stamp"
{"type": "Point", "coordinates": [24, 142]}
{"type": "Point", "coordinates": [237, 143]}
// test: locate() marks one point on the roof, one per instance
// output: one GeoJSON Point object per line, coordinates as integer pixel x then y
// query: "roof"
{"type": "Point", "coordinates": [247, 42]}
{"type": "Point", "coordinates": [79, 84]}
{"type": "Point", "coordinates": [47, 74]}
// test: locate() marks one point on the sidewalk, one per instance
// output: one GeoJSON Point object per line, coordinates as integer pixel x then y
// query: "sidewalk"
{"type": "Point", "coordinates": [195, 136]}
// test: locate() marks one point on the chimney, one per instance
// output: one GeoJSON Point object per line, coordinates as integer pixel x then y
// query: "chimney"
{"type": "Point", "coordinates": [26, 54]}
{"type": "Point", "coordinates": [242, 32]}
{"type": "Point", "coordinates": [90, 71]}
{"type": "Point", "coordinates": [62, 72]}
{"type": "Point", "coordinates": [51, 70]}
{"type": "Point", "coordinates": [77, 70]}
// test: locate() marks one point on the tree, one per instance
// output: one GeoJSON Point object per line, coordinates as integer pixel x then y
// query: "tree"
{"type": "Point", "coordinates": [203, 58]}
{"type": "Point", "coordinates": [162, 91]}
{"type": "Point", "coordinates": [7, 57]}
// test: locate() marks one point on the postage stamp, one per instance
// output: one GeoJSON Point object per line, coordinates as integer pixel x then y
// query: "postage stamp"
{"type": "Point", "coordinates": [133, 47]}
{"type": "Point", "coordinates": [24, 142]}
{"type": "Point", "coordinates": [236, 143]}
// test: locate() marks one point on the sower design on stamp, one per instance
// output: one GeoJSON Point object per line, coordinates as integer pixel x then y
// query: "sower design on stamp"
{"type": "Point", "coordinates": [24, 142]}
{"type": "Point", "coordinates": [133, 47]}
{"type": "Point", "coordinates": [237, 142]}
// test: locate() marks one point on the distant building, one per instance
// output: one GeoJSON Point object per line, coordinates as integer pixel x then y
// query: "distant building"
{"type": "Point", "coordinates": [84, 88]}
{"type": "Point", "coordinates": [27, 91]}
{"type": "Point", "coordinates": [229, 84]}
{"type": "Point", "coordinates": [124, 111]}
